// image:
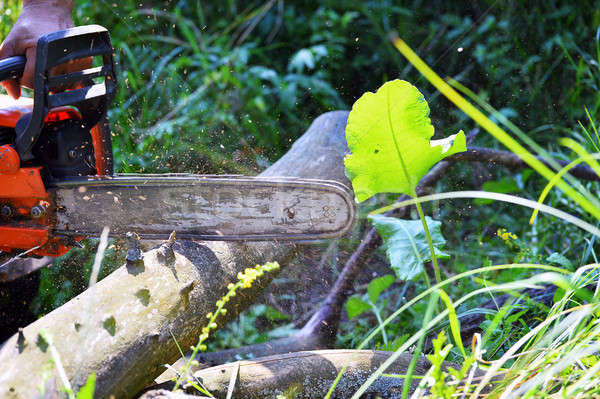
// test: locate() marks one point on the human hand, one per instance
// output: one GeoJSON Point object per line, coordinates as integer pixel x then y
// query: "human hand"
{"type": "Point", "coordinates": [37, 18]}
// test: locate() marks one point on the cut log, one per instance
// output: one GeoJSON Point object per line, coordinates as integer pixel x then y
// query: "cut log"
{"type": "Point", "coordinates": [309, 375]}
{"type": "Point", "coordinates": [123, 328]}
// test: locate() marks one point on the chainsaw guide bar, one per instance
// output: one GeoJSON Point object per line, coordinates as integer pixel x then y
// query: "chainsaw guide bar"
{"type": "Point", "coordinates": [203, 207]}
{"type": "Point", "coordinates": [57, 183]}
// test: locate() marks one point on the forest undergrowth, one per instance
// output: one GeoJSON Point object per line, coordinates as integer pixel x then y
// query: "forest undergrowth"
{"type": "Point", "coordinates": [226, 87]}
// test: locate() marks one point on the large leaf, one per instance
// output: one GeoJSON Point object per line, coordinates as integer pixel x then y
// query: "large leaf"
{"type": "Point", "coordinates": [378, 285]}
{"type": "Point", "coordinates": [355, 306]}
{"type": "Point", "coordinates": [406, 244]}
{"type": "Point", "coordinates": [386, 129]}
{"type": "Point", "coordinates": [560, 259]}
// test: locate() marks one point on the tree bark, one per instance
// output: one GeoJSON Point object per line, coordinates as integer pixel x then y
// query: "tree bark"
{"type": "Point", "coordinates": [123, 327]}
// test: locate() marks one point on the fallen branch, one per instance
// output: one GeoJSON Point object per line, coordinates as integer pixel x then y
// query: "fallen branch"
{"type": "Point", "coordinates": [510, 160]}
{"type": "Point", "coordinates": [308, 375]}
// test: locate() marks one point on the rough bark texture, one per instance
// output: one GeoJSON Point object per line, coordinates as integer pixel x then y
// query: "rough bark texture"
{"type": "Point", "coordinates": [308, 375]}
{"type": "Point", "coordinates": [123, 327]}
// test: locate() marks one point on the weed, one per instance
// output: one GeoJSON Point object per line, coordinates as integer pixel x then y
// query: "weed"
{"type": "Point", "coordinates": [245, 280]}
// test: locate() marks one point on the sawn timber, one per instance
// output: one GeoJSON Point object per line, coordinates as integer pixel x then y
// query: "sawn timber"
{"type": "Point", "coordinates": [204, 207]}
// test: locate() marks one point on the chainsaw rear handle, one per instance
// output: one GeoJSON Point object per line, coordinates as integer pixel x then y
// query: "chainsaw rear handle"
{"type": "Point", "coordinates": [90, 98]}
{"type": "Point", "coordinates": [12, 68]}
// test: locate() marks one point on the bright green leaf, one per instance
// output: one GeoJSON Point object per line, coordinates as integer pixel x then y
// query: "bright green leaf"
{"type": "Point", "coordinates": [356, 306]}
{"type": "Point", "coordinates": [87, 391]}
{"type": "Point", "coordinates": [559, 259]}
{"type": "Point", "coordinates": [503, 186]}
{"type": "Point", "coordinates": [406, 245]}
{"type": "Point", "coordinates": [558, 295]}
{"type": "Point", "coordinates": [378, 285]}
{"type": "Point", "coordinates": [389, 133]}
{"type": "Point", "coordinates": [454, 322]}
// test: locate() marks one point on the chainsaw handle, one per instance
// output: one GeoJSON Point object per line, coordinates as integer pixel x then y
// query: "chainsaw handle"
{"type": "Point", "coordinates": [91, 98]}
{"type": "Point", "coordinates": [12, 68]}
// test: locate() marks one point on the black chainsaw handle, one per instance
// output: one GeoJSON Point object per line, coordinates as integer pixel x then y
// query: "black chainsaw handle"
{"type": "Point", "coordinates": [12, 68]}
{"type": "Point", "coordinates": [93, 90]}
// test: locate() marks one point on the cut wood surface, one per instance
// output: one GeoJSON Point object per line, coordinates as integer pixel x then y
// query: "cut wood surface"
{"type": "Point", "coordinates": [123, 327]}
{"type": "Point", "coordinates": [310, 374]}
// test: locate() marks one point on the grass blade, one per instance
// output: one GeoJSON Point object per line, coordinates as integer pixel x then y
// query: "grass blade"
{"type": "Point", "coordinates": [413, 362]}
{"type": "Point", "coordinates": [454, 322]}
{"type": "Point", "coordinates": [497, 197]}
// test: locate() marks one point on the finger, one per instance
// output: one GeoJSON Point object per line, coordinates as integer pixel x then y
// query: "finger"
{"type": "Point", "coordinates": [27, 79]}
{"type": "Point", "coordinates": [6, 49]}
{"type": "Point", "coordinates": [13, 88]}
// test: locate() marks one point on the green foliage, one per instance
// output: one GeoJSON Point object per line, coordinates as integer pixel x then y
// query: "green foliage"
{"type": "Point", "coordinates": [453, 321]}
{"type": "Point", "coordinates": [259, 323]}
{"type": "Point", "coordinates": [379, 128]}
{"type": "Point", "coordinates": [210, 97]}
{"type": "Point", "coordinates": [442, 388]}
{"type": "Point", "coordinates": [560, 259]}
{"type": "Point", "coordinates": [406, 245]}
{"type": "Point", "coordinates": [378, 285]}
{"type": "Point", "coordinates": [505, 185]}
{"type": "Point", "coordinates": [69, 275]}
{"type": "Point", "coordinates": [355, 306]}
{"type": "Point", "coordinates": [9, 12]}
{"type": "Point", "coordinates": [87, 390]}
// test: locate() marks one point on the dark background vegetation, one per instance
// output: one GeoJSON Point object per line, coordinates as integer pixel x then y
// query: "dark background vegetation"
{"type": "Point", "coordinates": [227, 86]}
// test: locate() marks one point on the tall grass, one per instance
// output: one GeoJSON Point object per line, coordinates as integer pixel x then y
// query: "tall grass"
{"type": "Point", "coordinates": [558, 356]}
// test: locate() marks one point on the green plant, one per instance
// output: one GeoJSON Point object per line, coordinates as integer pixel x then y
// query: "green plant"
{"type": "Point", "coordinates": [259, 323]}
{"type": "Point", "coordinates": [534, 350]}
{"type": "Point", "coordinates": [377, 125]}
{"type": "Point", "coordinates": [443, 387]}
{"type": "Point", "coordinates": [245, 280]}
{"type": "Point", "coordinates": [355, 306]}
{"type": "Point", "coordinates": [46, 342]}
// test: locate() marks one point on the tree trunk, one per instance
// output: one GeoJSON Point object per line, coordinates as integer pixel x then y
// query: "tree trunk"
{"type": "Point", "coordinates": [123, 327]}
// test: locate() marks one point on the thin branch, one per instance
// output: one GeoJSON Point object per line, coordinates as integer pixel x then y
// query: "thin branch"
{"type": "Point", "coordinates": [510, 160]}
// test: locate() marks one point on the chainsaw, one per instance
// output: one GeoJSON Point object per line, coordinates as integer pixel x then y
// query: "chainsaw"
{"type": "Point", "coordinates": [57, 184]}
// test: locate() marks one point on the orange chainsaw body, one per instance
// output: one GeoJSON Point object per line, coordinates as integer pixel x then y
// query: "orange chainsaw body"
{"type": "Point", "coordinates": [23, 195]}
{"type": "Point", "coordinates": [56, 135]}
